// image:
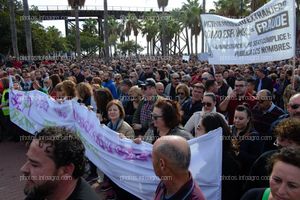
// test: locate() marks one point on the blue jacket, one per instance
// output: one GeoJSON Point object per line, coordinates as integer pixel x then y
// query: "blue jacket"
{"type": "Point", "coordinates": [112, 87]}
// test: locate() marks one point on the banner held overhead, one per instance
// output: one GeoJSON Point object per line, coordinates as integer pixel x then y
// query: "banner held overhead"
{"type": "Point", "coordinates": [127, 164]}
{"type": "Point", "coordinates": [266, 35]}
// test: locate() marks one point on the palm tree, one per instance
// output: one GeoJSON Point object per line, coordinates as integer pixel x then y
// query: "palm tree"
{"type": "Point", "coordinates": [132, 24]}
{"type": "Point", "coordinates": [106, 45]}
{"type": "Point", "coordinates": [27, 27]}
{"type": "Point", "coordinates": [255, 4]}
{"type": "Point", "coordinates": [192, 11]}
{"type": "Point", "coordinates": [163, 4]}
{"type": "Point", "coordinates": [121, 31]}
{"type": "Point", "coordinates": [13, 28]}
{"type": "Point", "coordinates": [76, 4]}
{"type": "Point", "coordinates": [113, 32]}
{"type": "Point", "coordinates": [178, 17]}
{"type": "Point", "coordinates": [90, 26]}
{"type": "Point", "coordinates": [202, 38]}
{"type": "Point", "coordinates": [232, 8]}
{"type": "Point", "coordinates": [150, 28]}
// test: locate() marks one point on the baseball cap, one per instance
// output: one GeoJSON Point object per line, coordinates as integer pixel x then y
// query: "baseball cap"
{"type": "Point", "coordinates": [149, 82]}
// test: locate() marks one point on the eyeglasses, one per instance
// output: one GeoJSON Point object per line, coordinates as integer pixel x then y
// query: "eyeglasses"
{"type": "Point", "coordinates": [180, 93]}
{"type": "Point", "coordinates": [155, 117]}
{"type": "Point", "coordinates": [295, 106]}
{"type": "Point", "coordinates": [208, 104]}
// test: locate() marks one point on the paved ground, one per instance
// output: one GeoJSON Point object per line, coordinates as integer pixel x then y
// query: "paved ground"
{"type": "Point", "coordinates": [12, 157]}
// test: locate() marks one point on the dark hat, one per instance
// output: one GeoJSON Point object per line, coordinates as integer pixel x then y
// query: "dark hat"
{"type": "Point", "coordinates": [149, 82]}
{"type": "Point", "coordinates": [127, 82]}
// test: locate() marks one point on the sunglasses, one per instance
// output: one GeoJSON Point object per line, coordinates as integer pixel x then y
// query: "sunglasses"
{"type": "Point", "coordinates": [180, 93]}
{"type": "Point", "coordinates": [208, 104]}
{"type": "Point", "coordinates": [295, 106]}
{"type": "Point", "coordinates": [155, 117]}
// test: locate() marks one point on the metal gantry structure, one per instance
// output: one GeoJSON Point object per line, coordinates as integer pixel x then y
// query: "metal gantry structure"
{"type": "Point", "coordinates": [67, 14]}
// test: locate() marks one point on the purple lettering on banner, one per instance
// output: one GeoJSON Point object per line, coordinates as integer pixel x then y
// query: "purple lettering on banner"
{"type": "Point", "coordinates": [60, 113]}
{"type": "Point", "coordinates": [43, 104]}
{"type": "Point", "coordinates": [28, 103]}
{"type": "Point", "coordinates": [143, 156]}
{"type": "Point", "coordinates": [21, 102]}
{"type": "Point", "coordinates": [121, 151]}
{"type": "Point", "coordinates": [16, 100]}
{"type": "Point", "coordinates": [99, 141]}
{"type": "Point", "coordinates": [84, 124]}
{"type": "Point", "coordinates": [106, 145]}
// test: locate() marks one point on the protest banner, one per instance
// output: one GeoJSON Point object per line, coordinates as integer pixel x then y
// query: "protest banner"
{"type": "Point", "coordinates": [128, 164]}
{"type": "Point", "coordinates": [267, 34]}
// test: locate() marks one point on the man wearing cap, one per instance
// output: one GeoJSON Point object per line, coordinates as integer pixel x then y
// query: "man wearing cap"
{"type": "Point", "coordinates": [142, 115]}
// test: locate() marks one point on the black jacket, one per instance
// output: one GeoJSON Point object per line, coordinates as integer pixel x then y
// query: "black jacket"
{"type": "Point", "coordinates": [266, 84]}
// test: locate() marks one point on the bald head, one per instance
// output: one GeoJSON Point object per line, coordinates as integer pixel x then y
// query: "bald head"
{"type": "Point", "coordinates": [293, 106]}
{"type": "Point", "coordinates": [264, 98]}
{"type": "Point", "coordinates": [175, 150]}
{"type": "Point", "coordinates": [265, 93]}
{"type": "Point", "coordinates": [160, 88]}
{"type": "Point", "coordinates": [295, 97]}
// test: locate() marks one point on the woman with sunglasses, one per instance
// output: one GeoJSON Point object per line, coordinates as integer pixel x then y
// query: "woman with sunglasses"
{"type": "Point", "coordinates": [284, 183]}
{"type": "Point", "coordinates": [182, 93]}
{"type": "Point", "coordinates": [209, 105]}
{"type": "Point", "coordinates": [246, 141]}
{"type": "Point", "coordinates": [166, 121]}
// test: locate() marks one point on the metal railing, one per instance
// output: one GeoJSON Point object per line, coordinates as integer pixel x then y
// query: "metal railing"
{"type": "Point", "coordinates": [96, 8]}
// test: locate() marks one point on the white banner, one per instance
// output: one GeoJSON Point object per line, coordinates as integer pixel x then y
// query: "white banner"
{"type": "Point", "coordinates": [266, 35]}
{"type": "Point", "coordinates": [128, 164]}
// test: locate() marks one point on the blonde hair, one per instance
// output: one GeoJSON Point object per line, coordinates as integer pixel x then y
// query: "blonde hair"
{"type": "Point", "coordinates": [69, 88]}
{"type": "Point", "coordinates": [185, 89]}
{"type": "Point", "coordinates": [84, 90]}
{"type": "Point", "coordinates": [136, 90]}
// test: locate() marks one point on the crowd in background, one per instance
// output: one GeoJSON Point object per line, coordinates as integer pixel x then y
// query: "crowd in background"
{"type": "Point", "coordinates": [257, 106]}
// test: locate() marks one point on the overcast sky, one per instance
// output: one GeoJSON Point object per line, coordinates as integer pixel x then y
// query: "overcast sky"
{"type": "Point", "coordinates": [125, 3]}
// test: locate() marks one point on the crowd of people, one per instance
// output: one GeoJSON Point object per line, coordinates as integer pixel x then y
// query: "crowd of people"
{"type": "Point", "coordinates": [165, 102]}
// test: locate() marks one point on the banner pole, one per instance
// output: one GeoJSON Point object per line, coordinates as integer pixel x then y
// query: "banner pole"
{"type": "Point", "coordinates": [295, 36]}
